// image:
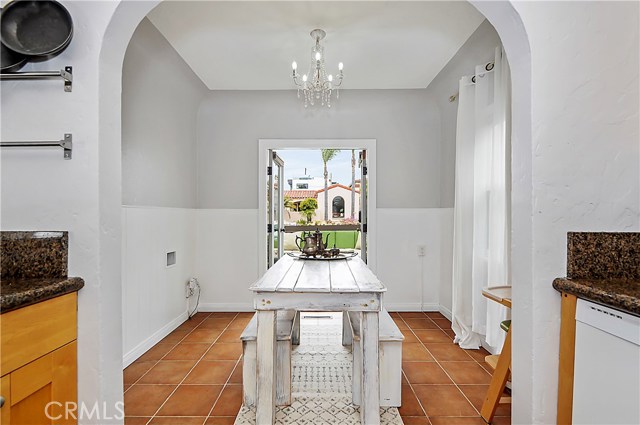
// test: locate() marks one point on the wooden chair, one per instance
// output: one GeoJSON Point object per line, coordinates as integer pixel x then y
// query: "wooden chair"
{"type": "Point", "coordinates": [502, 363]}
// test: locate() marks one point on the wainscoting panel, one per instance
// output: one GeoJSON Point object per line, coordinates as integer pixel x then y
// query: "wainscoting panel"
{"type": "Point", "coordinates": [154, 294]}
{"type": "Point", "coordinates": [415, 282]}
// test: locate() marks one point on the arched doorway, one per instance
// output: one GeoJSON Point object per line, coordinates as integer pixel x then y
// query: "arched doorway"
{"type": "Point", "coordinates": [337, 207]}
{"type": "Point", "coordinates": [506, 20]}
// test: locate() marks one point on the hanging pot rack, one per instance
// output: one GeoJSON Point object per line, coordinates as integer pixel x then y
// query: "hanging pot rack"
{"type": "Point", "coordinates": [66, 144]}
{"type": "Point", "coordinates": [66, 74]}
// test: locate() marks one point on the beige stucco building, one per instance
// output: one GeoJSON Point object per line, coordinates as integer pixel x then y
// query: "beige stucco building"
{"type": "Point", "coordinates": [339, 203]}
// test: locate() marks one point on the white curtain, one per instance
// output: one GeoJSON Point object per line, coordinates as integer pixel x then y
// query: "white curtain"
{"type": "Point", "coordinates": [481, 213]}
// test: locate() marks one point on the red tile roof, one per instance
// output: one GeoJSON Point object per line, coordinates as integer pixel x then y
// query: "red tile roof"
{"type": "Point", "coordinates": [298, 195]}
{"type": "Point", "coordinates": [301, 194]}
{"type": "Point", "coordinates": [337, 185]}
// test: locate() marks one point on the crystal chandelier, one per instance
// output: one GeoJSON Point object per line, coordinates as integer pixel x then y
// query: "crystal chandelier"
{"type": "Point", "coordinates": [317, 85]}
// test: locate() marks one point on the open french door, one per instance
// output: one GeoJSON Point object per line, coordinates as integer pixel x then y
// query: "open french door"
{"type": "Point", "coordinates": [363, 204]}
{"type": "Point", "coordinates": [275, 208]}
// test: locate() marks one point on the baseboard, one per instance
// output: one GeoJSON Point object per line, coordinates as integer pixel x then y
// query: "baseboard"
{"type": "Point", "coordinates": [213, 307]}
{"type": "Point", "coordinates": [411, 307]}
{"type": "Point", "coordinates": [145, 345]}
{"type": "Point", "coordinates": [445, 312]}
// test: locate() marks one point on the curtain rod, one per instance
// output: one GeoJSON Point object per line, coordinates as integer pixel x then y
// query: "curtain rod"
{"type": "Point", "coordinates": [488, 67]}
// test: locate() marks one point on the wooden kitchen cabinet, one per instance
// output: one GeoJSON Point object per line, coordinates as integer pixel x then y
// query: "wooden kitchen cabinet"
{"type": "Point", "coordinates": [39, 362]}
{"type": "Point", "coordinates": [566, 359]}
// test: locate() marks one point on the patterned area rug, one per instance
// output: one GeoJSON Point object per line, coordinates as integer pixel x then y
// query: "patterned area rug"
{"type": "Point", "coordinates": [321, 381]}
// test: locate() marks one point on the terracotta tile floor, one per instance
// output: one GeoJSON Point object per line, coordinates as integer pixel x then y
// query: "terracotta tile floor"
{"type": "Point", "coordinates": [194, 375]}
{"type": "Point", "coordinates": [442, 383]}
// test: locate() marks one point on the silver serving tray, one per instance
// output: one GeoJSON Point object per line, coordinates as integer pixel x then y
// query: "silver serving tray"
{"type": "Point", "coordinates": [340, 256]}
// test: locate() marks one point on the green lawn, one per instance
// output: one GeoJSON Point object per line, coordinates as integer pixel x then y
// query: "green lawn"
{"type": "Point", "coordinates": [343, 239]}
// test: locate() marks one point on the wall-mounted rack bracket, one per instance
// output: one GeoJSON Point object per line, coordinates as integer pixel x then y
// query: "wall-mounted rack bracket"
{"type": "Point", "coordinates": [66, 74]}
{"type": "Point", "coordinates": [66, 144]}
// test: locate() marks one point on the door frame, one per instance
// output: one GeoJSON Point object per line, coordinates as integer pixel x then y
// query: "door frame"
{"type": "Point", "coordinates": [264, 145]}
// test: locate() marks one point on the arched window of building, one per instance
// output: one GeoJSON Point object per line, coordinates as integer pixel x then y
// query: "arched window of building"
{"type": "Point", "coordinates": [338, 207]}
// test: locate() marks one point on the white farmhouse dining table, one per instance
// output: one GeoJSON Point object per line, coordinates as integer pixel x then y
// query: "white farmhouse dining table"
{"type": "Point", "coordinates": [317, 285]}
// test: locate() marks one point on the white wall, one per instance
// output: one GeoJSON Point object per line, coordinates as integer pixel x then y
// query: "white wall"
{"type": "Point", "coordinates": [160, 100]}
{"type": "Point", "coordinates": [153, 295]}
{"type": "Point", "coordinates": [405, 124]}
{"type": "Point", "coordinates": [586, 164]}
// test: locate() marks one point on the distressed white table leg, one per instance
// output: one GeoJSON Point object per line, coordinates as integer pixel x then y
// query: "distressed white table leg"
{"type": "Point", "coordinates": [283, 373]}
{"type": "Point", "coordinates": [356, 384]}
{"type": "Point", "coordinates": [347, 338]}
{"type": "Point", "coordinates": [266, 368]}
{"type": "Point", "coordinates": [295, 335]}
{"type": "Point", "coordinates": [370, 400]}
{"type": "Point", "coordinates": [249, 373]}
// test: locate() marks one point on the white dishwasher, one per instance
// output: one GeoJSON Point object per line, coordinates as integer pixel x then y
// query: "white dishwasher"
{"type": "Point", "coordinates": [606, 387]}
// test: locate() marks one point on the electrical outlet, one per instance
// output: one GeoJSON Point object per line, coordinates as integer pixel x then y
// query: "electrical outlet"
{"type": "Point", "coordinates": [422, 250]}
{"type": "Point", "coordinates": [191, 286]}
{"type": "Point", "coordinates": [192, 283]}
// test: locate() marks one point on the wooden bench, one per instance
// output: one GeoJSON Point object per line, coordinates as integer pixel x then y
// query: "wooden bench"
{"type": "Point", "coordinates": [390, 357]}
{"type": "Point", "coordinates": [288, 332]}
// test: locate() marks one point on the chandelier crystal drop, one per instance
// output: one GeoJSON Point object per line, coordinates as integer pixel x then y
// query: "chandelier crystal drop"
{"type": "Point", "coordinates": [317, 86]}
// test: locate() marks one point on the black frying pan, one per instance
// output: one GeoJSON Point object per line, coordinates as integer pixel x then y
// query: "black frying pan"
{"type": "Point", "coordinates": [39, 29]}
{"type": "Point", "coordinates": [9, 60]}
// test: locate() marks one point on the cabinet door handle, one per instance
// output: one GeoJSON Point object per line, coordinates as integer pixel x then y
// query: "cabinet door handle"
{"type": "Point", "coordinates": [1, 401]}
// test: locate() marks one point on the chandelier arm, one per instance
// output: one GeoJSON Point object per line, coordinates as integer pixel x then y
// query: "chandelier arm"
{"type": "Point", "coordinates": [338, 83]}
{"type": "Point", "coordinates": [331, 84]}
{"type": "Point", "coordinates": [296, 82]}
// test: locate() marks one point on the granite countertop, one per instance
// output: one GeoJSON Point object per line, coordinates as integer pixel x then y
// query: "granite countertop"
{"type": "Point", "coordinates": [603, 267]}
{"type": "Point", "coordinates": [33, 268]}
{"type": "Point", "coordinates": [621, 294]}
{"type": "Point", "coordinates": [18, 293]}
{"type": "Point", "coordinates": [30, 255]}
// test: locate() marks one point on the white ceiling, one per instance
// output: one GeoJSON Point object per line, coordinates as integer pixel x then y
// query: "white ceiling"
{"type": "Point", "coordinates": [250, 45]}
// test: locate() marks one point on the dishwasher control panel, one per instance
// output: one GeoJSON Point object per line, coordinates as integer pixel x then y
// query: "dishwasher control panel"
{"type": "Point", "coordinates": [607, 319]}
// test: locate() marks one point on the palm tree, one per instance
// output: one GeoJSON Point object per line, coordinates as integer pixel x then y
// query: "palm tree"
{"type": "Point", "coordinates": [353, 184]}
{"type": "Point", "coordinates": [327, 155]}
